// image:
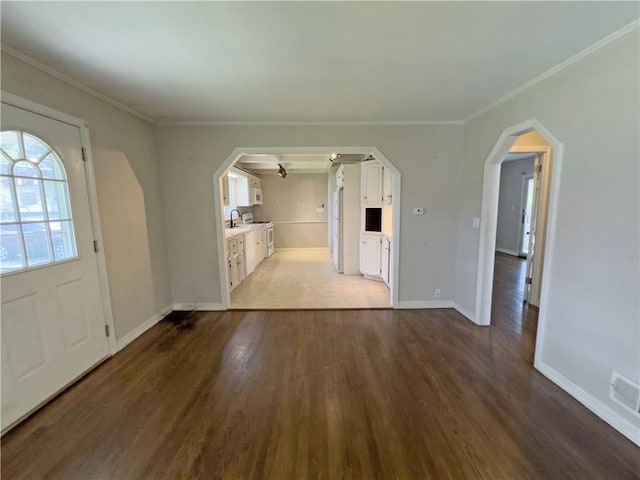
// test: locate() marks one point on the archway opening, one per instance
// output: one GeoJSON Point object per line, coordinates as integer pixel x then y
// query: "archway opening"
{"type": "Point", "coordinates": [307, 228]}
{"type": "Point", "coordinates": [517, 229]}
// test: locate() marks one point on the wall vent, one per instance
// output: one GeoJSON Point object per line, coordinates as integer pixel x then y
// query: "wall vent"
{"type": "Point", "coordinates": [625, 392]}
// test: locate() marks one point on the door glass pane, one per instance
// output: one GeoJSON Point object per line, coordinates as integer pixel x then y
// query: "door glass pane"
{"type": "Point", "coordinates": [36, 240]}
{"type": "Point", "coordinates": [7, 208]}
{"type": "Point", "coordinates": [57, 200]}
{"type": "Point", "coordinates": [10, 252]}
{"type": "Point", "coordinates": [5, 165]}
{"type": "Point", "coordinates": [10, 143]}
{"type": "Point", "coordinates": [29, 196]}
{"type": "Point", "coordinates": [25, 169]}
{"type": "Point", "coordinates": [34, 148]}
{"type": "Point", "coordinates": [63, 240]}
{"type": "Point", "coordinates": [50, 168]}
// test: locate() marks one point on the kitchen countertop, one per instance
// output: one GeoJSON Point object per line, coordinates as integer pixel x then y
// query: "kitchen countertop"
{"type": "Point", "coordinates": [241, 230]}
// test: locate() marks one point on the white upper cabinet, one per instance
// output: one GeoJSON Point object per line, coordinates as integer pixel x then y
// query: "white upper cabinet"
{"type": "Point", "coordinates": [377, 184]}
{"type": "Point", "coordinates": [225, 190]}
{"type": "Point", "coordinates": [371, 190]}
{"type": "Point", "coordinates": [387, 186]}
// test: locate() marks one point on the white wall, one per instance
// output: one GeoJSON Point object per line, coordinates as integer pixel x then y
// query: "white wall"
{"type": "Point", "coordinates": [593, 304]}
{"type": "Point", "coordinates": [427, 157]}
{"type": "Point", "coordinates": [290, 203]}
{"type": "Point", "coordinates": [128, 192]}
{"type": "Point", "coordinates": [510, 204]}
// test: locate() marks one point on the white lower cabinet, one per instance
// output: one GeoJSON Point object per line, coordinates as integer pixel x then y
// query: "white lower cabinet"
{"type": "Point", "coordinates": [375, 251]}
{"type": "Point", "coordinates": [385, 260]}
{"type": "Point", "coordinates": [235, 261]}
{"type": "Point", "coordinates": [370, 246]}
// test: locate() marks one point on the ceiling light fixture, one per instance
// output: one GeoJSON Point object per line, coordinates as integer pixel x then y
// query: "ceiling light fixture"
{"type": "Point", "coordinates": [282, 171]}
{"type": "Point", "coordinates": [333, 157]}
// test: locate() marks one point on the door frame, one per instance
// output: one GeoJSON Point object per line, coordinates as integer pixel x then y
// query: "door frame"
{"type": "Point", "coordinates": [89, 171]}
{"type": "Point", "coordinates": [489, 220]}
{"type": "Point", "coordinates": [238, 152]}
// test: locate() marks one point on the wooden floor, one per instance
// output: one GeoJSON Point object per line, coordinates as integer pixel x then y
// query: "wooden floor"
{"type": "Point", "coordinates": [342, 394]}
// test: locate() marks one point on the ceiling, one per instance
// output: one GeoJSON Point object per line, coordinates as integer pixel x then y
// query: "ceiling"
{"type": "Point", "coordinates": [307, 61]}
{"type": "Point", "coordinates": [293, 163]}
{"type": "Point", "coordinates": [512, 157]}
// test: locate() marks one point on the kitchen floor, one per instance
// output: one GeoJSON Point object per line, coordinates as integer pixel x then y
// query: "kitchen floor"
{"type": "Point", "coordinates": [306, 278]}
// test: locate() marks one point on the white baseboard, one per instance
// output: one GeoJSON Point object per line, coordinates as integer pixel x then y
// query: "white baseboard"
{"type": "Point", "coordinates": [140, 329]}
{"type": "Point", "coordinates": [508, 252]}
{"type": "Point", "coordinates": [204, 307]}
{"type": "Point", "coordinates": [469, 315]}
{"type": "Point", "coordinates": [301, 248]}
{"type": "Point", "coordinates": [626, 428]}
{"type": "Point", "coordinates": [425, 304]}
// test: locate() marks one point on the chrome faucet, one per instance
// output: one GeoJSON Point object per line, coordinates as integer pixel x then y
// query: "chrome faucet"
{"type": "Point", "coordinates": [231, 217]}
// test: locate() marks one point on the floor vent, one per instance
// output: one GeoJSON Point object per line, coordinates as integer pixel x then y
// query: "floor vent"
{"type": "Point", "coordinates": [625, 392]}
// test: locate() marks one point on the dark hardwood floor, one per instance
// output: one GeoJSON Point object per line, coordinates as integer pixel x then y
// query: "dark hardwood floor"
{"type": "Point", "coordinates": [340, 394]}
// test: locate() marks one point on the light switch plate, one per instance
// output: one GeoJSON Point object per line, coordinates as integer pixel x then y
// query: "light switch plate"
{"type": "Point", "coordinates": [476, 223]}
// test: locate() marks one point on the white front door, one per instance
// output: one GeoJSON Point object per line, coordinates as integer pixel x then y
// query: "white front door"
{"type": "Point", "coordinates": [53, 322]}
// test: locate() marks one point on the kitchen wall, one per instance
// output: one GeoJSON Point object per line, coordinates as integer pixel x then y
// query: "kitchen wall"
{"type": "Point", "coordinates": [290, 203]}
{"type": "Point", "coordinates": [510, 204]}
{"type": "Point", "coordinates": [427, 157]}
{"type": "Point", "coordinates": [592, 310]}
{"type": "Point", "coordinates": [128, 192]}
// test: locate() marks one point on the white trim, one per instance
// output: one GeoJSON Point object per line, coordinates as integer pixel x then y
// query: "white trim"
{"type": "Point", "coordinates": [324, 249]}
{"type": "Point", "coordinates": [198, 307]}
{"type": "Point", "coordinates": [489, 215]}
{"type": "Point", "coordinates": [561, 66]}
{"type": "Point", "coordinates": [85, 140]}
{"type": "Point", "coordinates": [465, 313]}
{"type": "Point", "coordinates": [277, 123]}
{"type": "Point", "coordinates": [237, 152]}
{"type": "Point", "coordinates": [626, 428]}
{"type": "Point", "coordinates": [508, 252]}
{"type": "Point", "coordinates": [420, 304]}
{"type": "Point", "coordinates": [81, 86]}
{"type": "Point", "coordinates": [142, 328]}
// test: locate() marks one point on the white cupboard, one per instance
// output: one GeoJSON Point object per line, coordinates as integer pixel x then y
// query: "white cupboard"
{"type": "Point", "coordinates": [385, 260]}
{"type": "Point", "coordinates": [370, 246]}
{"type": "Point", "coordinates": [235, 261]}
{"type": "Point", "coordinates": [377, 184]}
{"type": "Point", "coordinates": [371, 188]}
{"type": "Point", "coordinates": [375, 256]}
{"type": "Point", "coordinates": [387, 186]}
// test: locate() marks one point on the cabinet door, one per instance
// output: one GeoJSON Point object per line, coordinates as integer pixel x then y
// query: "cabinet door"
{"type": "Point", "coordinates": [387, 186]}
{"type": "Point", "coordinates": [241, 268]}
{"type": "Point", "coordinates": [384, 260]}
{"type": "Point", "coordinates": [370, 255]}
{"type": "Point", "coordinates": [225, 190]}
{"type": "Point", "coordinates": [371, 174]}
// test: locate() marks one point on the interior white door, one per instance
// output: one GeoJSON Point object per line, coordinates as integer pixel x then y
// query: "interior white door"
{"type": "Point", "coordinates": [53, 324]}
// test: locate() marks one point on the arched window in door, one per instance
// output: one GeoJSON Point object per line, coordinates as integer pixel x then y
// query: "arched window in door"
{"type": "Point", "coordinates": [36, 223]}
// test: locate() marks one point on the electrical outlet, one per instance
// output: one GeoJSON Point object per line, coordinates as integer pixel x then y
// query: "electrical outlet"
{"type": "Point", "coordinates": [437, 293]}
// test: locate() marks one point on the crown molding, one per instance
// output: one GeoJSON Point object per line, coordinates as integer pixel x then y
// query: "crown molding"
{"type": "Point", "coordinates": [74, 83]}
{"type": "Point", "coordinates": [561, 66]}
{"type": "Point", "coordinates": [386, 123]}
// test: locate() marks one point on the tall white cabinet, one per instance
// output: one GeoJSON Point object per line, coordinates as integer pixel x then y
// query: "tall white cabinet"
{"type": "Point", "coordinates": [376, 192]}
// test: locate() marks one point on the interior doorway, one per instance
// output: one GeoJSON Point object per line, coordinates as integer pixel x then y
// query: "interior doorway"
{"type": "Point", "coordinates": [528, 192]}
{"type": "Point", "coordinates": [548, 154]}
{"type": "Point", "coordinates": [313, 259]}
